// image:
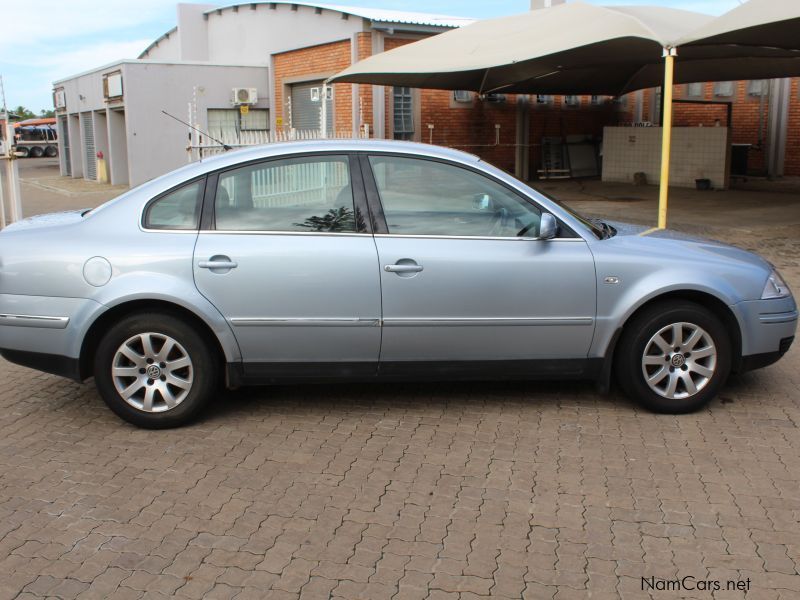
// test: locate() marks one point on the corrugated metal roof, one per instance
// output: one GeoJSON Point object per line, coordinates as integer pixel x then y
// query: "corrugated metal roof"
{"type": "Point", "coordinates": [377, 14]}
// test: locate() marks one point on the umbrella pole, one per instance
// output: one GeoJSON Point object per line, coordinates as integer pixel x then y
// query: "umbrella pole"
{"type": "Point", "coordinates": [666, 136]}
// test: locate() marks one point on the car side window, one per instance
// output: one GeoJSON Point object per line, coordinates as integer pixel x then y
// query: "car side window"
{"type": "Point", "coordinates": [310, 194]}
{"type": "Point", "coordinates": [427, 197]}
{"type": "Point", "coordinates": [178, 209]}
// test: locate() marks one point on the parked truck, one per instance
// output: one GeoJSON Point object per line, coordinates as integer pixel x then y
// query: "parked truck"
{"type": "Point", "coordinates": [36, 138]}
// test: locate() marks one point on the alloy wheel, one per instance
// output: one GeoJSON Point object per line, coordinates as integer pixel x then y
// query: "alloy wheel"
{"type": "Point", "coordinates": [152, 372]}
{"type": "Point", "coordinates": [679, 360]}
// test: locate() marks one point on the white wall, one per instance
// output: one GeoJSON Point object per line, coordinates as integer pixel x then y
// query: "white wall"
{"type": "Point", "coordinates": [156, 143]}
{"type": "Point", "coordinates": [697, 153]}
{"type": "Point", "coordinates": [250, 36]}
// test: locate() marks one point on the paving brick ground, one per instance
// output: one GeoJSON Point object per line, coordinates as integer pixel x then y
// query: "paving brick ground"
{"type": "Point", "coordinates": [442, 491]}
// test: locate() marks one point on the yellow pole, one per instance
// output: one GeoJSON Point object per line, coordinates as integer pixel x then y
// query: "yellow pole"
{"type": "Point", "coordinates": [666, 136]}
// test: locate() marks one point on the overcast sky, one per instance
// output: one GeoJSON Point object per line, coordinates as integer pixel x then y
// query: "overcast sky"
{"type": "Point", "coordinates": [45, 40]}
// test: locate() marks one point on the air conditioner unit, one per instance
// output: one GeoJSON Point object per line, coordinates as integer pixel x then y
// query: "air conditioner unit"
{"type": "Point", "coordinates": [245, 95]}
{"type": "Point", "coordinates": [462, 96]}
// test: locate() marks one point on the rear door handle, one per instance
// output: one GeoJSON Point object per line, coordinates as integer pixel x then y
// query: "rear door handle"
{"type": "Point", "coordinates": [217, 262]}
{"type": "Point", "coordinates": [403, 268]}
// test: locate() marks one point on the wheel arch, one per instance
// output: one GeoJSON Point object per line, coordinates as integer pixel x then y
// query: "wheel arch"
{"type": "Point", "coordinates": [704, 299]}
{"type": "Point", "coordinates": [106, 319]}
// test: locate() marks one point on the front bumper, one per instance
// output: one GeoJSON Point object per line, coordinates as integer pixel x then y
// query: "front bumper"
{"type": "Point", "coordinates": [768, 329]}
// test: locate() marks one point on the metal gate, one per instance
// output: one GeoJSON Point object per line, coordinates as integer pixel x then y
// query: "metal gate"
{"type": "Point", "coordinates": [307, 106]}
{"type": "Point", "coordinates": [64, 135]}
{"type": "Point", "coordinates": [88, 137]}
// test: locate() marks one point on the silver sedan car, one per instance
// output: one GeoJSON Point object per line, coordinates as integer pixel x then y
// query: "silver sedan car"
{"type": "Point", "coordinates": [372, 260]}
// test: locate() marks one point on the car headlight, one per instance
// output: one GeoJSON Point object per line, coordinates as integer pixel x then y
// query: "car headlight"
{"type": "Point", "coordinates": [775, 288]}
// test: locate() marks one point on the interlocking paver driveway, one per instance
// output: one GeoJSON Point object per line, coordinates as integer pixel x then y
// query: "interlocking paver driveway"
{"type": "Point", "coordinates": [438, 491]}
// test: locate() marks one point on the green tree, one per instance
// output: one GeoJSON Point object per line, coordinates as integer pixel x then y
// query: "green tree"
{"type": "Point", "coordinates": [46, 114]}
{"type": "Point", "coordinates": [23, 113]}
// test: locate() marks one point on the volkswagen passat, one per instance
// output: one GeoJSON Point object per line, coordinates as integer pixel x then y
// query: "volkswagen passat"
{"type": "Point", "coordinates": [372, 260]}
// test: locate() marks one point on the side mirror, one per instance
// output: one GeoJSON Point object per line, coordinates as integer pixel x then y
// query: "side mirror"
{"type": "Point", "coordinates": [483, 203]}
{"type": "Point", "coordinates": [548, 227]}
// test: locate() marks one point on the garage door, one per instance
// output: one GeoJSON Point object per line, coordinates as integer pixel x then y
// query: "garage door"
{"type": "Point", "coordinates": [88, 139]}
{"type": "Point", "coordinates": [306, 105]}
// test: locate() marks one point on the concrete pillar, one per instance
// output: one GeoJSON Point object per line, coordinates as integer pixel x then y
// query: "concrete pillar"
{"type": "Point", "coordinates": [76, 147]}
{"type": "Point", "coordinates": [378, 93]}
{"type": "Point", "coordinates": [117, 147]}
{"type": "Point", "coordinates": [354, 88]}
{"type": "Point", "coordinates": [777, 125]}
{"type": "Point", "coordinates": [522, 155]}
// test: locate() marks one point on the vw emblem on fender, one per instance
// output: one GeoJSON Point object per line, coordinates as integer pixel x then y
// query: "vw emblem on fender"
{"type": "Point", "coordinates": [153, 372]}
{"type": "Point", "coordinates": [678, 360]}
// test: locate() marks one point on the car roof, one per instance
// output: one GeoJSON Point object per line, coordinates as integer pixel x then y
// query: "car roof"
{"type": "Point", "coordinates": [279, 149]}
{"type": "Point", "coordinates": [344, 145]}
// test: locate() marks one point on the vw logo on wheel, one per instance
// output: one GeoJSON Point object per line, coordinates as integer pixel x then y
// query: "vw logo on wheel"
{"type": "Point", "coordinates": [678, 360]}
{"type": "Point", "coordinates": [153, 371]}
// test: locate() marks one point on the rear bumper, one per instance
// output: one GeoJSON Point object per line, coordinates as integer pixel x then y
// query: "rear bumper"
{"type": "Point", "coordinates": [54, 364]}
{"type": "Point", "coordinates": [45, 333]}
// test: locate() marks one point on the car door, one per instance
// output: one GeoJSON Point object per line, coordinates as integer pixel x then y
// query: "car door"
{"type": "Point", "coordinates": [464, 281]}
{"type": "Point", "coordinates": [288, 259]}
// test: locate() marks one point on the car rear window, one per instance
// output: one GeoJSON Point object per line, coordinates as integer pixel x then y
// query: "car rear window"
{"type": "Point", "coordinates": [177, 209]}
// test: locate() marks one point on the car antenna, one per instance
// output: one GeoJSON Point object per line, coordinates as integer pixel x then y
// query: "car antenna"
{"type": "Point", "coordinates": [225, 146]}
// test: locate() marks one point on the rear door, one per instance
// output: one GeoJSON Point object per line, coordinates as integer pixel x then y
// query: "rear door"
{"type": "Point", "coordinates": [289, 261]}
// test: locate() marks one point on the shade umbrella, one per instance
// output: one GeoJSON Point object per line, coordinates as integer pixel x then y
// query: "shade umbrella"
{"type": "Point", "coordinates": [579, 48]}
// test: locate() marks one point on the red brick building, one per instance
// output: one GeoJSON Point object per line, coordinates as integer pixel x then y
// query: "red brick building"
{"type": "Point", "coordinates": [302, 44]}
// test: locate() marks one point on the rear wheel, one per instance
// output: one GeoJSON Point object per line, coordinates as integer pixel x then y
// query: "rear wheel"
{"type": "Point", "coordinates": [51, 152]}
{"type": "Point", "coordinates": [155, 371]}
{"type": "Point", "coordinates": [674, 357]}
{"type": "Point", "coordinates": [36, 152]}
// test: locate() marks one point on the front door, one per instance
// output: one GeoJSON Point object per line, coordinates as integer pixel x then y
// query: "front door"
{"type": "Point", "coordinates": [289, 263]}
{"type": "Point", "coordinates": [463, 279]}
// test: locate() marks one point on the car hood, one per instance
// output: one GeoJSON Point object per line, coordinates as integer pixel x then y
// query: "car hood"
{"type": "Point", "coordinates": [48, 220]}
{"type": "Point", "coordinates": [679, 243]}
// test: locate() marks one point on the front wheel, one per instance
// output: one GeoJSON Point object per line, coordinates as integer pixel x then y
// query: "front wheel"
{"type": "Point", "coordinates": [674, 357]}
{"type": "Point", "coordinates": [154, 370]}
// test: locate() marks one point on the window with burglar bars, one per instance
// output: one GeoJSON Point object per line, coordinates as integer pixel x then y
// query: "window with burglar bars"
{"type": "Point", "coordinates": [403, 107]}
{"type": "Point", "coordinates": [230, 121]}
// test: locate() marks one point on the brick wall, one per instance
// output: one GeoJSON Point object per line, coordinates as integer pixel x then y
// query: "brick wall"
{"type": "Point", "coordinates": [471, 127]}
{"type": "Point", "coordinates": [747, 113]}
{"type": "Point", "coordinates": [325, 58]}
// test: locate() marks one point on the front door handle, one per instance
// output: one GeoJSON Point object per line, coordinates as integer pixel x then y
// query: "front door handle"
{"type": "Point", "coordinates": [403, 268]}
{"type": "Point", "coordinates": [218, 262]}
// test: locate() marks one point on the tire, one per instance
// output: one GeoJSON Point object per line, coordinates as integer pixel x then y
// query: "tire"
{"type": "Point", "coordinates": [187, 386]}
{"type": "Point", "coordinates": [698, 370]}
{"type": "Point", "coordinates": [36, 152]}
{"type": "Point", "coordinates": [51, 152]}
{"type": "Point", "coordinates": [23, 152]}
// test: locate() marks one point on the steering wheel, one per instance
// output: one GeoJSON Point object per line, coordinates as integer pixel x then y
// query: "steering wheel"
{"type": "Point", "coordinates": [526, 229]}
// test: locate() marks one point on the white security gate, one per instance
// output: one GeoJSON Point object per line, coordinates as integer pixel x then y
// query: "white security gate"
{"type": "Point", "coordinates": [87, 119]}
